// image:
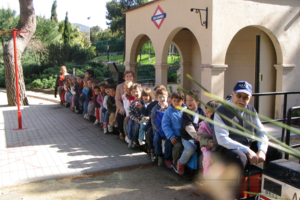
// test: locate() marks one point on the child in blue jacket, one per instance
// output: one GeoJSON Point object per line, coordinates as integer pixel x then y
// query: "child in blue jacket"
{"type": "Point", "coordinates": [171, 125]}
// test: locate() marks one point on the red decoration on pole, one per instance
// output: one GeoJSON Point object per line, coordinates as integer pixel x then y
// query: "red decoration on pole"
{"type": "Point", "coordinates": [14, 32]}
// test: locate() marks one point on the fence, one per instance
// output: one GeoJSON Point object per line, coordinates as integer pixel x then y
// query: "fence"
{"type": "Point", "coordinates": [288, 132]}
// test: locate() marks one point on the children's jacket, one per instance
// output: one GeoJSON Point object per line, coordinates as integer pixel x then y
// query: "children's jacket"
{"type": "Point", "coordinates": [206, 134]}
{"type": "Point", "coordinates": [134, 112]}
{"type": "Point", "coordinates": [188, 119]}
{"type": "Point", "coordinates": [171, 122]}
{"type": "Point", "coordinates": [158, 120]}
{"type": "Point", "coordinates": [111, 105]}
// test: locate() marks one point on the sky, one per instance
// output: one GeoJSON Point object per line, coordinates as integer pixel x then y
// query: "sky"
{"type": "Point", "coordinates": [78, 10]}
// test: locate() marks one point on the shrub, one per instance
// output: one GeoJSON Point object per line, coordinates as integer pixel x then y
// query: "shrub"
{"type": "Point", "coordinates": [37, 83]}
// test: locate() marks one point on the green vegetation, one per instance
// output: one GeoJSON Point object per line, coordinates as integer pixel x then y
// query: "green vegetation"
{"type": "Point", "coordinates": [144, 61]}
{"type": "Point", "coordinates": [59, 43]}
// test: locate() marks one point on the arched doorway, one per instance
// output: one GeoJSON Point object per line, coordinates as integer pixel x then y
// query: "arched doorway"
{"type": "Point", "coordinates": [142, 60]}
{"type": "Point", "coordinates": [190, 54]}
{"type": "Point", "coordinates": [251, 56]}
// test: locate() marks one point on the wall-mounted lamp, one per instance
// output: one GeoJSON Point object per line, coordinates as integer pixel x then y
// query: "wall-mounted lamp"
{"type": "Point", "coordinates": [197, 10]}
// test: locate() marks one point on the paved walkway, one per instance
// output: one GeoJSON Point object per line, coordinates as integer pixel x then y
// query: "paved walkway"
{"type": "Point", "coordinates": [57, 143]}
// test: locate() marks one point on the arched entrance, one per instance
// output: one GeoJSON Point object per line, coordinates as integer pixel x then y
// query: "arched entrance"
{"type": "Point", "coordinates": [137, 57]}
{"type": "Point", "coordinates": [189, 50]}
{"type": "Point", "coordinates": [251, 56]}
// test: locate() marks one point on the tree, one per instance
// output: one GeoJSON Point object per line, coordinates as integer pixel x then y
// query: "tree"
{"type": "Point", "coordinates": [27, 23]}
{"type": "Point", "coordinates": [53, 12]}
{"type": "Point", "coordinates": [46, 30]}
{"type": "Point", "coordinates": [115, 15]}
{"type": "Point", "coordinates": [95, 29]}
{"type": "Point", "coordinates": [66, 33]}
{"type": "Point", "coordinates": [7, 22]}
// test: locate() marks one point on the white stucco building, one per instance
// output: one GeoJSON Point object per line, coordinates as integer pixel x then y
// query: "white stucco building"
{"type": "Point", "coordinates": [253, 40]}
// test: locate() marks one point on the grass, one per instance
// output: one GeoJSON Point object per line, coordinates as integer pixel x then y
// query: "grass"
{"type": "Point", "coordinates": [144, 61]}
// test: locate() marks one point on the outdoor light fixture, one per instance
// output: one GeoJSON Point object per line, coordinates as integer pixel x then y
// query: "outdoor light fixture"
{"type": "Point", "coordinates": [197, 10]}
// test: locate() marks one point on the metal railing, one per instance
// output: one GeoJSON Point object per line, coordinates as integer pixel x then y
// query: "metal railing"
{"type": "Point", "coordinates": [288, 132]}
{"type": "Point", "coordinates": [285, 95]}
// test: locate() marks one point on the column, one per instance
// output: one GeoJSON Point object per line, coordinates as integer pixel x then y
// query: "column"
{"type": "Point", "coordinates": [213, 79]}
{"type": "Point", "coordinates": [161, 74]}
{"type": "Point", "coordinates": [185, 68]}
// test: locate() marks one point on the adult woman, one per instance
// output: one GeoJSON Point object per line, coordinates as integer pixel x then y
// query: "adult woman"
{"type": "Point", "coordinates": [128, 76]}
{"type": "Point", "coordinates": [59, 87]}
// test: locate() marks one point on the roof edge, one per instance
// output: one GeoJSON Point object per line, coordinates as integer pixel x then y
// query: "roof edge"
{"type": "Point", "coordinates": [146, 4]}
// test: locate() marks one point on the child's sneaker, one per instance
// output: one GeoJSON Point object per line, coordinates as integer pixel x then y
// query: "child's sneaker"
{"type": "Point", "coordinates": [129, 143]}
{"type": "Point", "coordinates": [169, 164]}
{"type": "Point", "coordinates": [84, 116]}
{"type": "Point", "coordinates": [153, 157]}
{"type": "Point", "coordinates": [105, 130]}
{"type": "Point", "coordinates": [115, 124]}
{"type": "Point", "coordinates": [96, 122]}
{"type": "Point", "coordinates": [126, 139]}
{"type": "Point", "coordinates": [134, 145]}
{"type": "Point", "coordinates": [174, 167]}
{"type": "Point", "coordinates": [160, 161]}
{"type": "Point", "coordinates": [110, 128]}
{"type": "Point", "coordinates": [141, 142]}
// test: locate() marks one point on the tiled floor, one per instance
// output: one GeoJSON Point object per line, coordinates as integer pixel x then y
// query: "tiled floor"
{"type": "Point", "coordinates": [57, 143]}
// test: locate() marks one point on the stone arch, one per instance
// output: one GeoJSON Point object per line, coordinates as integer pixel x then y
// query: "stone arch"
{"type": "Point", "coordinates": [190, 54]}
{"type": "Point", "coordinates": [136, 46]}
{"type": "Point", "coordinates": [251, 56]}
{"type": "Point", "coordinates": [139, 41]}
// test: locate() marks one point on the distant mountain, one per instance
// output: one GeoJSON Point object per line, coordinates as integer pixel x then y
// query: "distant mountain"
{"type": "Point", "coordinates": [83, 28]}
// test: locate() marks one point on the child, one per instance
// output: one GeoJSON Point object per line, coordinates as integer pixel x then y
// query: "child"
{"type": "Point", "coordinates": [91, 106]}
{"type": "Point", "coordinates": [83, 97]}
{"type": "Point", "coordinates": [135, 115]}
{"type": "Point", "coordinates": [148, 128]}
{"type": "Point", "coordinates": [96, 103]}
{"type": "Point", "coordinates": [74, 86]}
{"type": "Point", "coordinates": [171, 125]}
{"type": "Point", "coordinates": [127, 99]}
{"type": "Point", "coordinates": [147, 98]}
{"type": "Point", "coordinates": [65, 83]}
{"type": "Point", "coordinates": [89, 97]}
{"type": "Point", "coordinates": [100, 100]}
{"type": "Point", "coordinates": [89, 73]}
{"type": "Point", "coordinates": [78, 88]}
{"type": "Point", "coordinates": [111, 107]}
{"type": "Point", "coordinates": [105, 114]}
{"type": "Point", "coordinates": [156, 118]}
{"type": "Point", "coordinates": [109, 81]}
{"type": "Point", "coordinates": [189, 127]}
{"type": "Point", "coordinates": [68, 93]}
{"type": "Point", "coordinates": [205, 133]}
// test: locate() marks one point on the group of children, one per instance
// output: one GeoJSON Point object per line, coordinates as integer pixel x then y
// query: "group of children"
{"type": "Point", "coordinates": [155, 119]}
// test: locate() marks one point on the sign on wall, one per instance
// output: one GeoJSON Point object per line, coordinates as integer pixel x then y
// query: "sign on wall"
{"type": "Point", "coordinates": [158, 17]}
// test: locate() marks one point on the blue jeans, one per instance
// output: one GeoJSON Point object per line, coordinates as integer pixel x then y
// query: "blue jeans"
{"type": "Point", "coordinates": [85, 105]}
{"type": "Point", "coordinates": [141, 131]}
{"type": "Point", "coordinates": [189, 149]}
{"type": "Point", "coordinates": [157, 143]}
{"type": "Point", "coordinates": [69, 97]}
{"type": "Point", "coordinates": [82, 99]}
{"type": "Point", "coordinates": [132, 130]}
{"type": "Point", "coordinates": [106, 117]}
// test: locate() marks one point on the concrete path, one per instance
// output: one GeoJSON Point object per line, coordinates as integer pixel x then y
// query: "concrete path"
{"type": "Point", "coordinates": [57, 143]}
